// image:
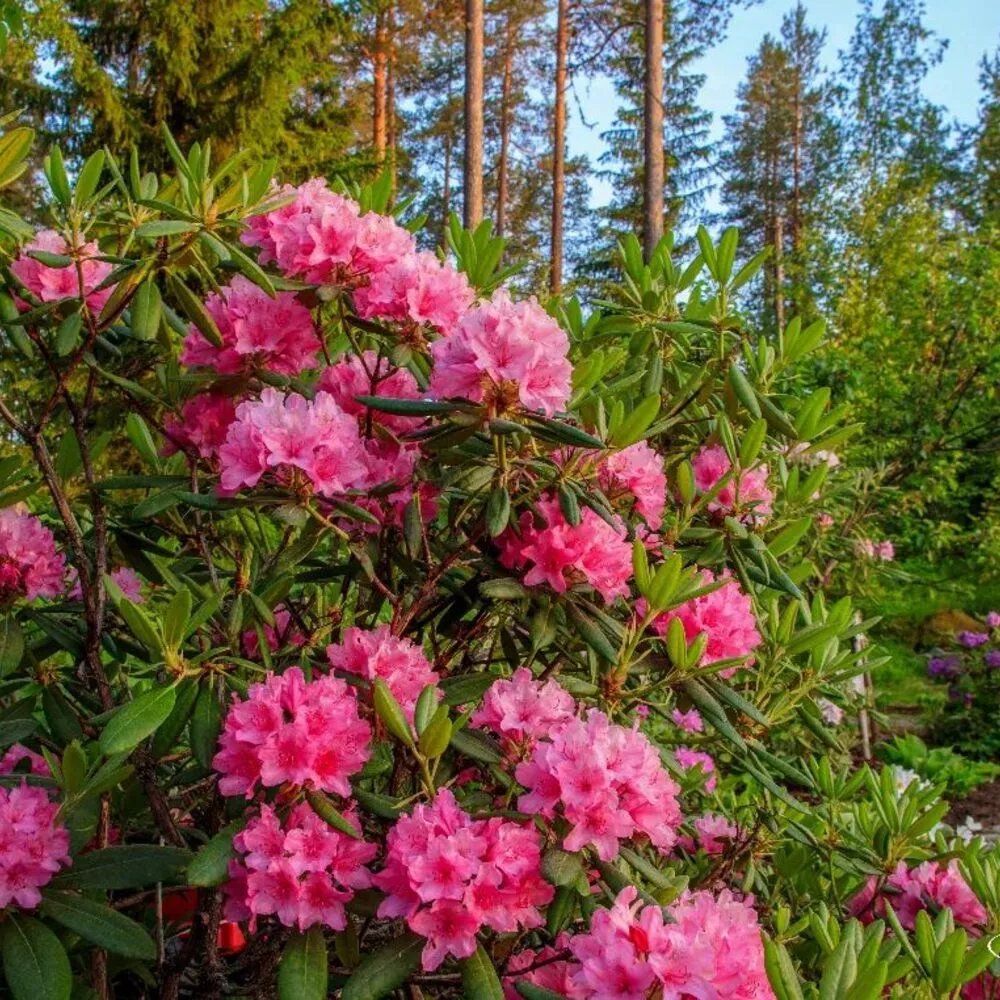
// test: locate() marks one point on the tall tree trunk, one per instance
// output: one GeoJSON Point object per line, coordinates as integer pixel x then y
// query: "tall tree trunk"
{"type": "Point", "coordinates": [390, 102]}
{"type": "Point", "coordinates": [797, 164]}
{"type": "Point", "coordinates": [779, 269]}
{"type": "Point", "coordinates": [653, 128]}
{"type": "Point", "coordinates": [559, 148]}
{"type": "Point", "coordinates": [473, 166]}
{"type": "Point", "coordinates": [503, 168]}
{"type": "Point", "coordinates": [449, 143]}
{"type": "Point", "coordinates": [379, 79]}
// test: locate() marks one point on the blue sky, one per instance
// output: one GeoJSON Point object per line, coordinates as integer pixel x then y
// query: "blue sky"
{"type": "Point", "coordinates": [972, 28]}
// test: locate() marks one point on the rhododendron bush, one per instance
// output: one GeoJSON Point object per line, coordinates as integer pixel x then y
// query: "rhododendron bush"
{"type": "Point", "coordinates": [369, 627]}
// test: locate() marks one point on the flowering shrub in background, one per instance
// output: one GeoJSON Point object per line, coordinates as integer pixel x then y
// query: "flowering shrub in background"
{"type": "Point", "coordinates": [370, 628]}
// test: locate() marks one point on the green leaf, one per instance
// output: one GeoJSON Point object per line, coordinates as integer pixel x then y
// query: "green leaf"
{"type": "Point", "coordinates": [142, 626]}
{"type": "Point", "coordinates": [466, 688]}
{"type": "Point", "coordinates": [479, 978]}
{"type": "Point", "coordinates": [14, 148]}
{"type": "Point", "coordinates": [132, 723]}
{"type": "Point", "coordinates": [555, 430]}
{"type": "Point", "coordinates": [560, 867]}
{"type": "Point", "coordinates": [435, 738]}
{"type": "Point", "coordinates": [787, 538]}
{"type": "Point", "coordinates": [206, 722]}
{"type": "Point", "coordinates": [165, 227]}
{"type": "Point", "coordinates": [475, 744]}
{"type": "Point", "coordinates": [142, 440]}
{"type": "Point", "coordinates": [390, 712]}
{"type": "Point", "coordinates": [407, 407]}
{"type": "Point", "coordinates": [89, 177]}
{"type": "Point", "coordinates": [35, 963]}
{"type": "Point", "coordinates": [55, 173]}
{"type": "Point", "coordinates": [98, 924]}
{"type": "Point", "coordinates": [326, 811]}
{"type": "Point", "coordinates": [210, 866]}
{"type": "Point", "coordinates": [302, 971]}
{"type": "Point", "coordinates": [68, 334]}
{"type": "Point", "coordinates": [497, 511]}
{"type": "Point", "coordinates": [11, 644]}
{"type": "Point", "coordinates": [380, 973]}
{"type": "Point", "coordinates": [531, 992]}
{"type": "Point", "coordinates": [175, 618]}
{"type": "Point", "coordinates": [127, 867]}
{"type": "Point", "coordinates": [592, 633]}
{"type": "Point", "coordinates": [14, 730]}
{"type": "Point", "coordinates": [146, 310]}
{"type": "Point", "coordinates": [638, 422]}
{"type": "Point", "coordinates": [195, 311]}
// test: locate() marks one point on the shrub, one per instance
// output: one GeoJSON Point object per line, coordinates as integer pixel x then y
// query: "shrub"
{"type": "Point", "coordinates": [367, 623]}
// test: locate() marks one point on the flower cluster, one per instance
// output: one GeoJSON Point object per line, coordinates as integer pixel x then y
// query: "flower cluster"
{"type": "Point", "coordinates": [504, 353]}
{"type": "Point", "coordinates": [910, 890]}
{"type": "Point", "coordinates": [33, 844]}
{"type": "Point", "coordinates": [745, 495]}
{"type": "Point", "coordinates": [16, 754]}
{"type": "Point", "coordinates": [416, 288]}
{"type": "Point", "coordinates": [379, 654]}
{"type": "Point", "coordinates": [289, 433]}
{"type": "Point", "coordinates": [725, 616]}
{"type": "Point", "coordinates": [522, 710]}
{"type": "Point", "coordinates": [283, 632]}
{"type": "Point", "coordinates": [711, 948]}
{"type": "Point", "coordinates": [30, 564]}
{"type": "Point", "coordinates": [563, 554]}
{"type": "Point", "coordinates": [450, 875]}
{"type": "Point", "coordinates": [288, 731]}
{"type": "Point", "coordinates": [605, 780]}
{"type": "Point", "coordinates": [51, 284]}
{"type": "Point", "coordinates": [545, 968]}
{"type": "Point", "coordinates": [689, 721]}
{"type": "Point", "coordinates": [202, 425]}
{"type": "Point", "coordinates": [637, 471]}
{"type": "Point", "coordinates": [879, 551]}
{"type": "Point", "coordinates": [302, 871]}
{"type": "Point", "coordinates": [370, 375]}
{"type": "Point", "coordinates": [713, 834]}
{"type": "Point", "coordinates": [259, 333]}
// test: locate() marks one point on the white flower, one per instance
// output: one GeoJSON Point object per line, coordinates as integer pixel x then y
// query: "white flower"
{"type": "Point", "coordinates": [903, 777]}
{"type": "Point", "coordinates": [967, 829]}
{"type": "Point", "coordinates": [833, 715]}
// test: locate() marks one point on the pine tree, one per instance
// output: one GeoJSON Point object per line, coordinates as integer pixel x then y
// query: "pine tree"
{"type": "Point", "coordinates": [986, 173]}
{"type": "Point", "coordinates": [247, 73]}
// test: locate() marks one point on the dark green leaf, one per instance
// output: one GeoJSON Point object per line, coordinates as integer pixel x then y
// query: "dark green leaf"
{"type": "Point", "coordinates": [98, 924]}
{"type": "Point", "coordinates": [35, 963]}
{"type": "Point", "coordinates": [127, 867]}
{"type": "Point", "coordinates": [302, 972]}
{"type": "Point", "coordinates": [380, 973]}
{"type": "Point", "coordinates": [131, 724]}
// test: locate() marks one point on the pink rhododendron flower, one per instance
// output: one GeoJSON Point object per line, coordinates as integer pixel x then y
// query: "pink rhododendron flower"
{"type": "Point", "coordinates": [50, 284]}
{"type": "Point", "coordinates": [833, 714]}
{"type": "Point", "coordinates": [124, 578]}
{"type": "Point", "coordinates": [16, 754]}
{"type": "Point", "coordinates": [291, 433]}
{"type": "Point", "coordinates": [34, 845]}
{"type": "Point", "coordinates": [690, 721]}
{"type": "Point", "coordinates": [258, 333]}
{"type": "Point", "coordinates": [522, 710]}
{"type": "Point", "coordinates": [745, 496]}
{"type": "Point", "coordinates": [563, 555]}
{"type": "Point", "coordinates": [714, 832]}
{"type": "Point", "coordinates": [289, 732]}
{"type": "Point", "coordinates": [637, 470]}
{"type": "Point", "coordinates": [711, 949]}
{"type": "Point", "coordinates": [604, 779]}
{"type": "Point", "coordinates": [302, 871]}
{"type": "Point", "coordinates": [370, 375]}
{"type": "Point", "coordinates": [503, 353]}
{"type": "Point", "coordinates": [30, 564]}
{"type": "Point", "coordinates": [984, 987]}
{"type": "Point", "coordinates": [379, 654]}
{"type": "Point", "coordinates": [885, 551]}
{"type": "Point", "coordinates": [450, 875]}
{"type": "Point", "coordinates": [725, 616]}
{"type": "Point", "coordinates": [824, 520]}
{"type": "Point", "coordinates": [416, 288]}
{"type": "Point", "coordinates": [379, 242]}
{"type": "Point", "coordinates": [202, 426]}
{"type": "Point", "coordinates": [910, 889]}
{"type": "Point", "coordinates": [688, 759]}
{"type": "Point", "coordinates": [546, 968]}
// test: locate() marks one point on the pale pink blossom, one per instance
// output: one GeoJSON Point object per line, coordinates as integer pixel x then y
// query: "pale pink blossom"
{"type": "Point", "coordinates": [714, 832]}
{"type": "Point", "coordinates": [289, 732]}
{"type": "Point", "coordinates": [370, 375]}
{"type": "Point", "coordinates": [259, 333]}
{"type": "Point", "coordinates": [51, 284]}
{"type": "Point", "coordinates": [746, 495]}
{"type": "Point", "coordinates": [521, 710]}
{"type": "Point", "coordinates": [34, 844]}
{"type": "Point", "coordinates": [562, 555]}
{"type": "Point", "coordinates": [450, 876]}
{"type": "Point", "coordinates": [689, 759]}
{"type": "Point", "coordinates": [504, 353]}
{"type": "Point", "coordinates": [638, 471]}
{"type": "Point", "coordinates": [378, 654]}
{"type": "Point", "coordinates": [725, 616]}
{"type": "Point", "coordinates": [545, 968]}
{"type": "Point", "coordinates": [416, 288]}
{"type": "Point", "coordinates": [607, 781]}
{"type": "Point", "coordinates": [30, 565]}
{"type": "Point", "coordinates": [690, 721]}
{"type": "Point", "coordinates": [302, 871]}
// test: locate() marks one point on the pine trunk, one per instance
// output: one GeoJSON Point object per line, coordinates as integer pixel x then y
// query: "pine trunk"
{"type": "Point", "coordinates": [390, 103]}
{"type": "Point", "coordinates": [507, 86]}
{"type": "Point", "coordinates": [779, 269]}
{"type": "Point", "coordinates": [653, 128]}
{"type": "Point", "coordinates": [473, 166]}
{"type": "Point", "coordinates": [797, 166]}
{"type": "Point", "coordinates": [379, 77]}
{"type": "Point", "coordinates": [559, 147]}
